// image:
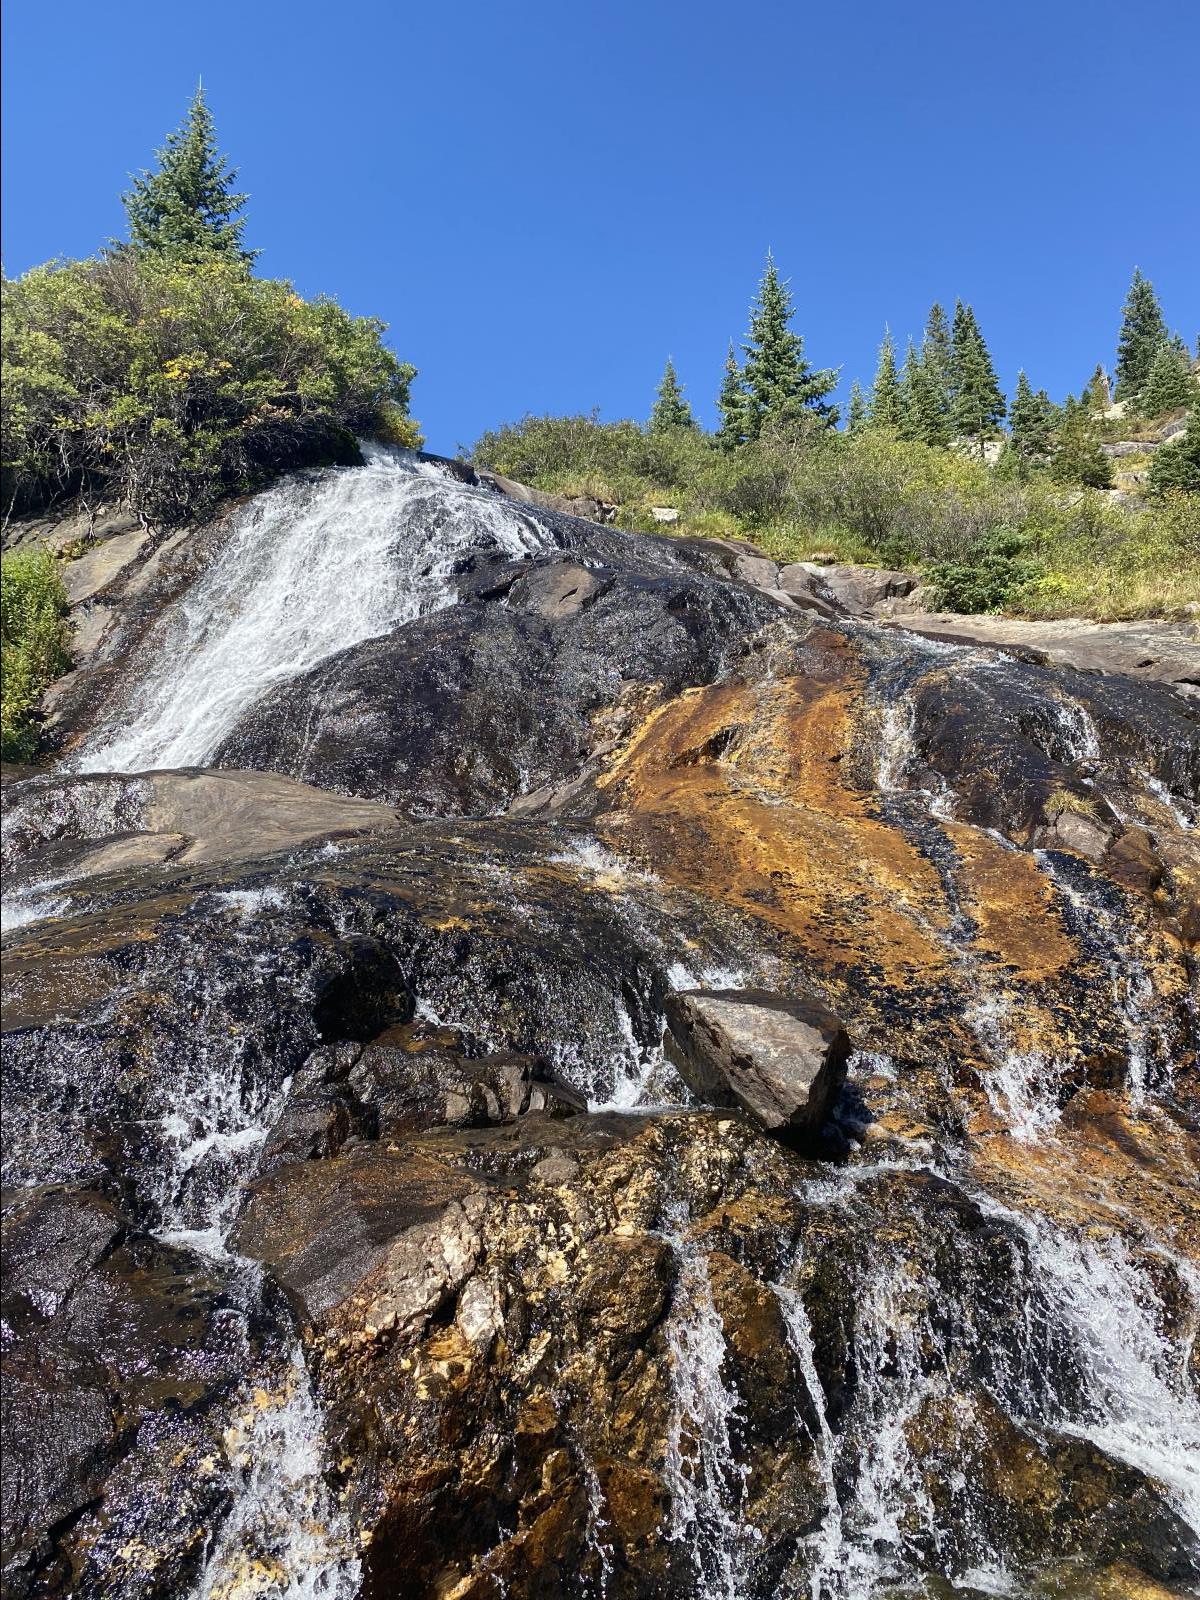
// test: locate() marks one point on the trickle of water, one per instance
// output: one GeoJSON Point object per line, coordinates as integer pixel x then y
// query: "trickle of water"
{"type": "Point", "coordinates": [280, 1540]}
{"type": "Point", "coordinates": [1022, 1085]}
{"type": "Point", "coordinates": [706, 1480]}
{"type": "Point", "coordinates": [312, 566]}
{"type": "Point", "coordinates": [1103, 925]}
{"type": "Point", "coordinates": [827, 1544]}
{"type": "Point", "coordinates": [894, 753]}
{"type": "Point", "coordinates": [1076, 729]}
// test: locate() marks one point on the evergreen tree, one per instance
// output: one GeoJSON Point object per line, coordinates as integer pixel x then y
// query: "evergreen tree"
{"type": "Point", "coordinates": [1030, 422]}
{"type": "Point", "coordinates": [858, 415]}
{"type": "Point", "coordinates": [781, 386]}
{"type": "Point", "coordinates": [187, 208]}
{"type": "Point", "coordinates": [1098, 391]}
{"type": "Point", "coordinates": [1142, 332]}
{"type": "Point", "coordinates": [936, 361]}
{"type": "Point", "coordinates": [1077, 456]}
{"type": "Point", "coordinates": [1176, 466]}
{"type": "Point", "coordinates": [887, 401]}
{"type": "Point", "coordinates": [671, 410]}
{"type": "Point", "coordinates": [976, 405]}
{"type": "Point", "coordinates": [1169, 382]}
{"type": "Point", "coordinates": [731, 404]}
{"type": "Point", "coordinates": [923, 417]}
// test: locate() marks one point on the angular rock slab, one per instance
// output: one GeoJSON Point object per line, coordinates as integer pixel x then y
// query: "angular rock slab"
{"type": "Point", "coordinates": [782, 1058]}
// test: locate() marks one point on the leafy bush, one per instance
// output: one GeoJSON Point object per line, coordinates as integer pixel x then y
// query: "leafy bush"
{"type": "Point", "coordinates": [33, 649]}
{"type": "Point", "coordinates": [998, 570]}
{"type": "Point", "coordinates": [167, 384]}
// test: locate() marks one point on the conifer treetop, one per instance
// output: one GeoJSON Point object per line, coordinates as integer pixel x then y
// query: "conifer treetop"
{"type": "Point", "coordinates": [781, 386]}
{"type": "Point", "coordinates": [187, 208]}
{"type": "Point", "coordinates": [887, 401]}
{"type": "Point", "coordinates": [1142, 332]}
{"type": "Point", "coordinates": [671, 410]}
{"type": "Point", "coordinates": [731, 403]}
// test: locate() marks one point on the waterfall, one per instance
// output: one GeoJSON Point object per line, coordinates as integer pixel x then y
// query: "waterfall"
{"type": "Point", "coordinates": [1096, 1356]}
{"type": "Point", "coordinates": [1136, 1400]}
{"type": "Point", "coordinates": [312, 566]}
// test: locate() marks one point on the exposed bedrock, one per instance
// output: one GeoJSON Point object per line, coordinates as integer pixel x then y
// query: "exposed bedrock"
{"type": "Point", "coordinates": [390, 1204]}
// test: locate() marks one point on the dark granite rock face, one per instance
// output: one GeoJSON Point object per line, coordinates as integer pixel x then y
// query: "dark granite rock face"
{"type": "Point", "coordinates": [515, 691]}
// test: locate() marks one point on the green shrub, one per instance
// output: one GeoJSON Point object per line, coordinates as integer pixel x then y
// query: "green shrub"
{"type": "Point", "coordinates": [999, 568]}
{"type": "Point", "coordinates": [33, 647]}
{"type": "Point", "coordinates": [167, 384]}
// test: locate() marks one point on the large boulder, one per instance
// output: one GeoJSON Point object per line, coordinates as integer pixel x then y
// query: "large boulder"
{"type": "Point", "coordinates": [781, 1058]}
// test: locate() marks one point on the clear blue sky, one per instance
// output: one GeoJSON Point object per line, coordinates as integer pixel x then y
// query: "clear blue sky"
{"type": "Point", "coordinates": [544, 199]}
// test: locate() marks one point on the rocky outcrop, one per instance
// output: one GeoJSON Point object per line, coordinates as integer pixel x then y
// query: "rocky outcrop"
{"type": "Point", "coordinates": [781, 1058]}
{"type": "Point", "coordinates": [360, 1231]}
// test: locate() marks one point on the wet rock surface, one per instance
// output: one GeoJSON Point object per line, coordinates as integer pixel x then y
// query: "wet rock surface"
{"type": "Point", "coordinates": [361, 1237]}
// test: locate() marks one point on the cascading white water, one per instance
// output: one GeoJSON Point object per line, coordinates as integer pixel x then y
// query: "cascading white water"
{"type": "Point", "coordinates": [703, 1473]}
{"type": "Point", "coordinates": [1138, 1402]}
{"type": "Point", "coordinates": [312, 566]}
{"type": "Point", "coordinates": [281, 1540]}
{"type": "Point", "coordinates": [1097, 1356]}
{"type": "Point", "coordinates": [284, 1537]}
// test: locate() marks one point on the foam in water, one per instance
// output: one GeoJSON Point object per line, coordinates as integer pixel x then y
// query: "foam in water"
{"type": "Point", "coordinates": [31, 903]}
{"type": "Point", "coordinates": [895, 749]}
{"type": "Point", "coordinates": [312, 566]}
{"type": "Point", "coordinates": [1076, 729]}
{"type": "Point", "coordinates": [1022, 1085]}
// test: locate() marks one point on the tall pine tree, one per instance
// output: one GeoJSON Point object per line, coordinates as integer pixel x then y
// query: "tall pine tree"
{"type": "Point", "coordinates": [187, 208]}
{"type": "Point", "coordinates": [919, 411]}
{"type": "Point", "coordinates": [887, 401]}
{"type": "Point", "coordinates": [1142, 332]}
{"type": "Point", "coordinates": [976, 404]}
{"type": "Point", "coordinates": [782, 388]}
{"type": "Point", "coordinates": [671, 410]}
{"type": "Point", "coordinates": [937, 357]}
{"type": "Point", "coordinates": [731, 404]}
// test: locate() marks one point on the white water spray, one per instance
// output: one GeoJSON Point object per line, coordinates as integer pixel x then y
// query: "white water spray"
{"type": "Point", "coordinates": [312, 566]}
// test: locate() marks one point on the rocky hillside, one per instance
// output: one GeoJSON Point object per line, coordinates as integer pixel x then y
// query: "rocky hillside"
{"type": "Point", "coordinates": [542, 1061]}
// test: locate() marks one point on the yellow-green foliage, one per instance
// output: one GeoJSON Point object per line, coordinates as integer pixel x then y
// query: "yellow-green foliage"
{"type": "Point", "coordinates": [1059, 801]}
{"type": "Point", "coordinates": [167, 384]}
{"type": "Point", "coordinates": [33, 649]}
{"type": "Point", "coordinates": [987, 538]}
